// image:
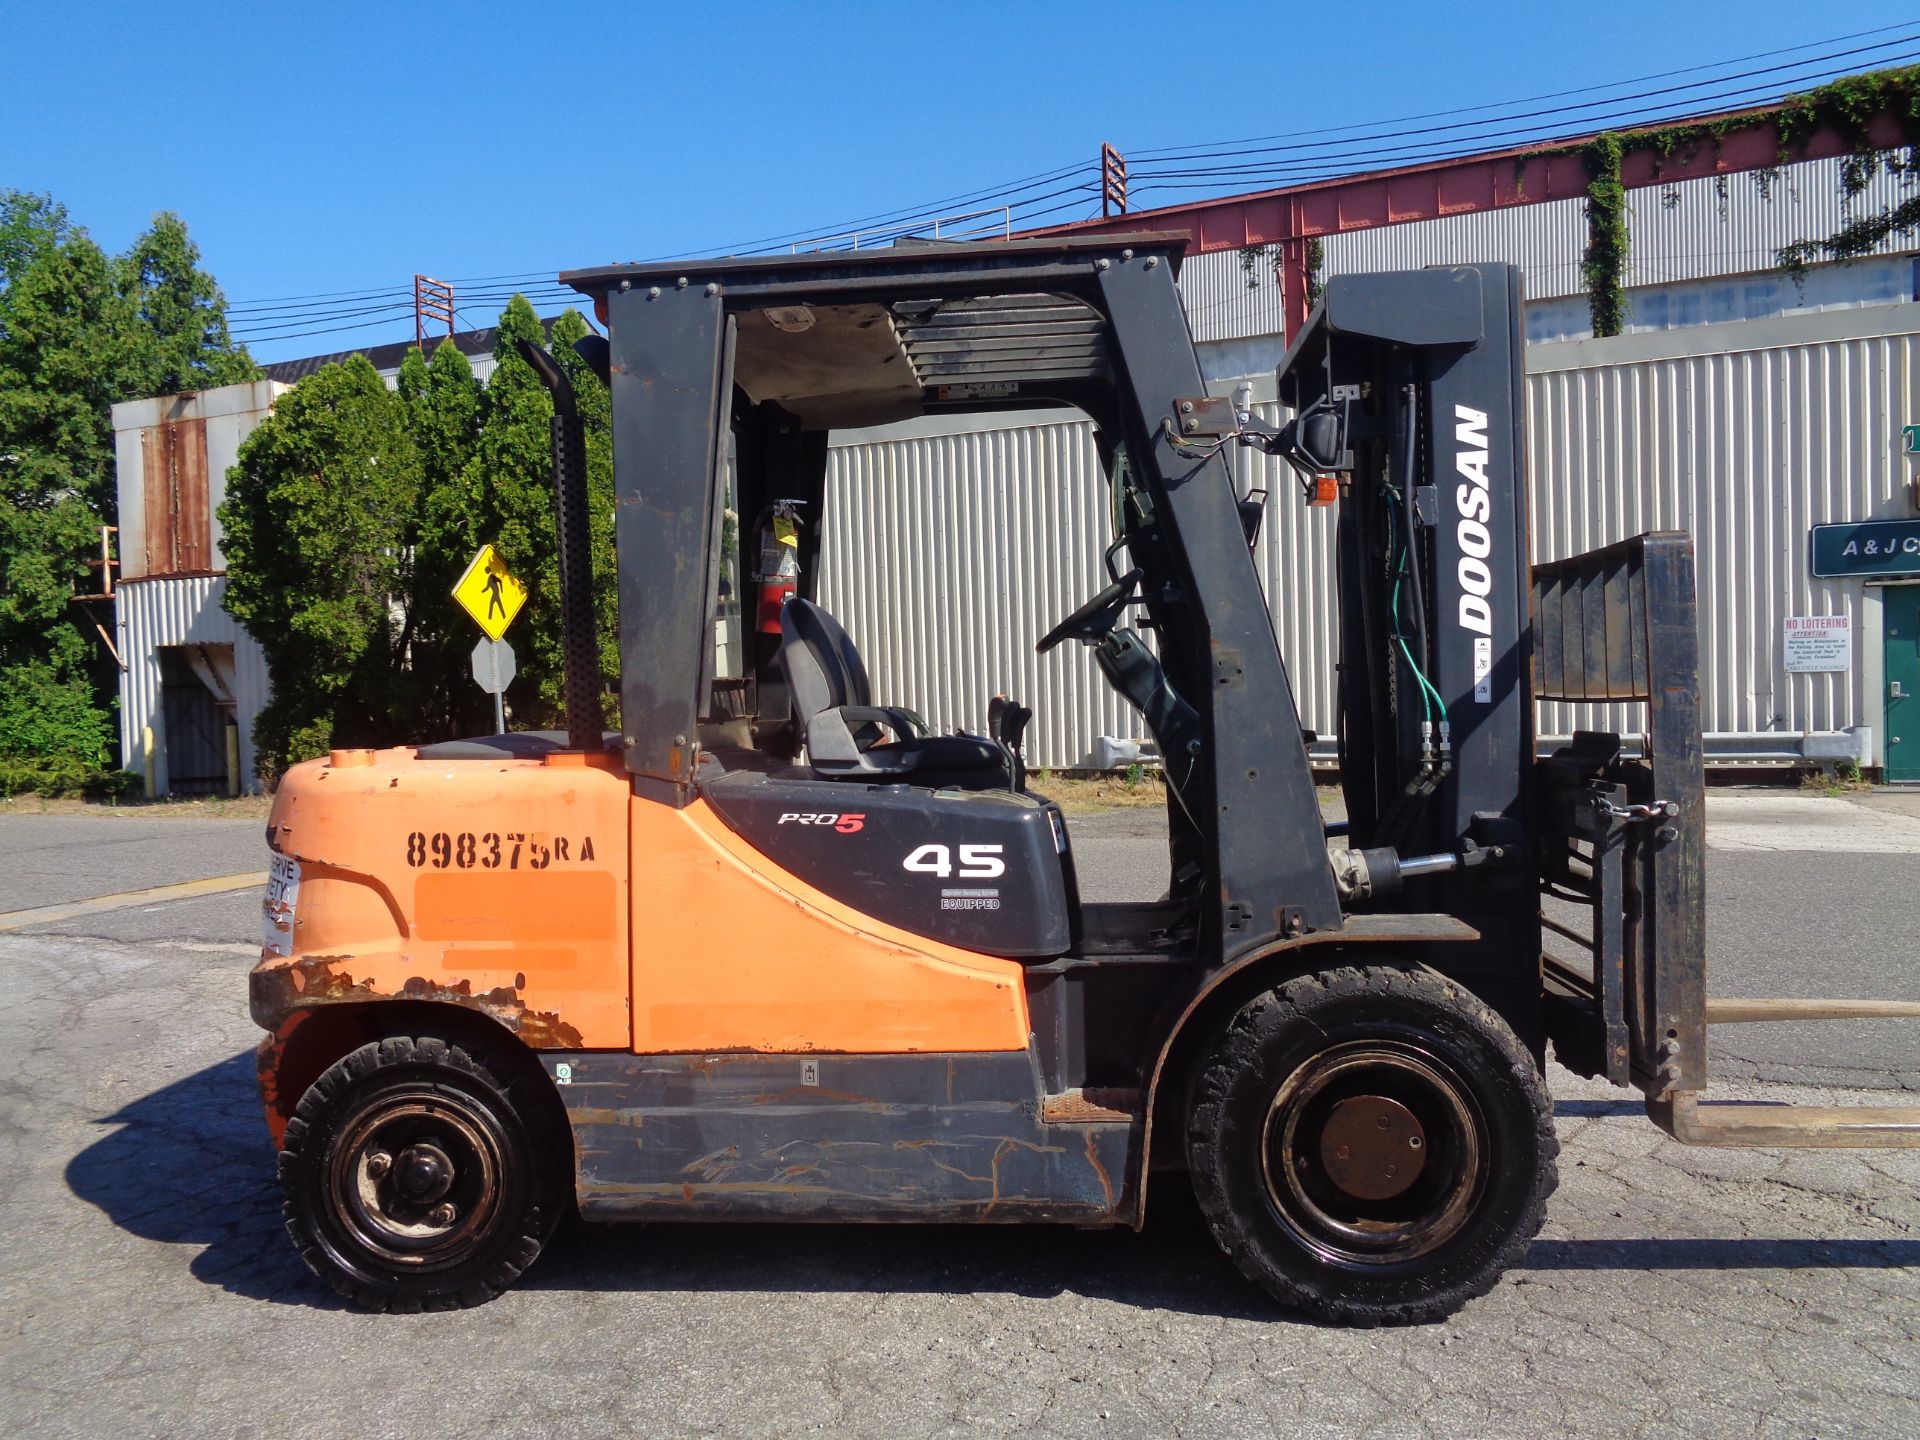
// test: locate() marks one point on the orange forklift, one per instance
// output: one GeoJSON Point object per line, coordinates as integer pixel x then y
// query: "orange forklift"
{"type": "Point", "coordinates": [774, 950]}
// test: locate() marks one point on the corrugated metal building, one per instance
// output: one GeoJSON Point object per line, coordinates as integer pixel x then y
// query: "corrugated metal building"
{"type": "Point", "coordinates": [192, 680]}
{"type": "Point", "coordinates": [1745, 435]}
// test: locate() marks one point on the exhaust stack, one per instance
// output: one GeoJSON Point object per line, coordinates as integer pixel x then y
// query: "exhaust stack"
{"type": "Point", "coordinates": [585, 720]}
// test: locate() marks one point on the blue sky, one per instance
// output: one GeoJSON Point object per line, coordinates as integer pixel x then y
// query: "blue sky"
{"type": "Point", "coordinates": [340, 147]}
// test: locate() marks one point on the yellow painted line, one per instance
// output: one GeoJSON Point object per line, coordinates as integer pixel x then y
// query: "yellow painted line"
{"type": "Point", "coordinates": [159, 894]}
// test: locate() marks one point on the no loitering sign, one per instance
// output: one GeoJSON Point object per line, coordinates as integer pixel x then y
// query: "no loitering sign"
{"type": "Point", "coordinates": [1818, 644]}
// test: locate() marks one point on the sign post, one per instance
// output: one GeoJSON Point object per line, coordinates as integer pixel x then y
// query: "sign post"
{"type": "Point", "coordinates": [494, 667]}
{"type": "Point", "coordinates": [488, 591]}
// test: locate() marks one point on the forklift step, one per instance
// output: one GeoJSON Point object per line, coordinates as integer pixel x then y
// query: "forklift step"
{"type": "Point", "coordinates": [1093, 1106]}
{"type": "Point", "coordinates": [1747, 1012]}
{"type": "Point", "coordinates": [1805, 1127]}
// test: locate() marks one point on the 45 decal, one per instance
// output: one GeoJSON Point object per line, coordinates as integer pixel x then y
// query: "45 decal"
{"type": "Point", "coordinates": [977, 862]}
{"type": "Point", "coordinates": [845, 824]}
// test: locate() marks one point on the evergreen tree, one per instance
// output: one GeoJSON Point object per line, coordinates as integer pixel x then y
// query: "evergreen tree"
{"type": "Point", "coordinates": [79, 331]}
{"type": "Point", "coordinates": [318, 514]}
{"type": "Point", "coordinates": [183, 339]}
{"type": "Point", "coordinates": [424, 477]}
{"type": "Point", "coordinates": [66, 352]}
{"type": "Point", "coordinates": [442, 404]}
{"type": "Point", "coordinates": [29, 224]}
{"type": "Point", "coordinates": [507, 500]}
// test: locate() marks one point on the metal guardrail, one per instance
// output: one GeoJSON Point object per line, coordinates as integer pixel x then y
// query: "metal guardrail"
{"type": "Point", "coordinates": [1765, 748]}
{"type": "Point", "coordinates": [943, 227]}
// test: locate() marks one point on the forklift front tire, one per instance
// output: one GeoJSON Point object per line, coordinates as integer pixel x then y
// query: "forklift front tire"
{"type": "Point", "coordinates": [417, 1175]}
{"type": "Point", "coordinates": [1372, 1145]}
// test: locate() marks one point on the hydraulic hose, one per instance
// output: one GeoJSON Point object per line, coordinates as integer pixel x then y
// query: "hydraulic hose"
{"type": "Point", "coordinates": [1410, 396]}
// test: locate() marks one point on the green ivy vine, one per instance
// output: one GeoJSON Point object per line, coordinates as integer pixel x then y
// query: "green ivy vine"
{"type": "Point", "coordinates": [1255, 259]}
{"type": "Point", "coordinates": [1848, 106]}
{"type": "Point", "coordinates": [1605, 265]}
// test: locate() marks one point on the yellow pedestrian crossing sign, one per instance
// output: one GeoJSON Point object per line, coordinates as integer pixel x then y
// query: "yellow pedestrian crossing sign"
{"type": "Point", "coordinates": [489, 593]}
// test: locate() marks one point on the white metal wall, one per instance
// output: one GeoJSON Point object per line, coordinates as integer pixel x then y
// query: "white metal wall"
{"type": "Point", "coordinates": [1722, 300]}
{"type": "Point", "coordinates": [947, 556]}
{"type": "Point", "coordinates": [186, 611]}
{"type": "Point", "coordinates": [943, 557]}
{"type": "Point", "coordinates": [1229, 294]}
{"type": "Point", "coordinates": [1693, 230]}
{"type": "Point", "coordinates": [1546, 240]}
{"type": "Point", "coordinates": [1745, 435]}
{"type": "Point", "coordinates": [1737, 224]}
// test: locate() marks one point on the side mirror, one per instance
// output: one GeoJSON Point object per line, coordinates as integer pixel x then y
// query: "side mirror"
{"type": "Point", "coordinates": [1322, 441]}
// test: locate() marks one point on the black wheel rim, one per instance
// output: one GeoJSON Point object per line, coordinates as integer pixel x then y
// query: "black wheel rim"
{"type": "Point", "coordinates": [415, 1177]}
{"type": "Point", "coordinates": [1374, 1153]}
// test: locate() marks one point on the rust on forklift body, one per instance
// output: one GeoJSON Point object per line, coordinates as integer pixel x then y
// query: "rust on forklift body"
{"type": "Point", "coordinates": [283, 986]}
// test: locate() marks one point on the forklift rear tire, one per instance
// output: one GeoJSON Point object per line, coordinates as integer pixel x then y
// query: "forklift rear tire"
{"type": "Point", "coordinates": [1371, 1145]}
{"type": "Point", "coordinates": [417, 1175]}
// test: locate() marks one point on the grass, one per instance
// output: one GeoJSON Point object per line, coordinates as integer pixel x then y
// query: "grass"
{"type": "Point", "coordinates": [1844, 779]}
{"type": "Point", "coordinates": [1136, 789]}
{"type": "Point", "coordinates": [1132, 789]}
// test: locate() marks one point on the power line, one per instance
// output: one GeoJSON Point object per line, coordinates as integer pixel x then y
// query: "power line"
{"type": "Point", "coordinates": [338, 329]}
{"type": "Point", "coordinates": [1145, 165]}
{"type": "Point", "coordinates": [1529, 99]}
{"type": "Point", "coordinates": [265, 310]}
{"type": "Point", "coordinates": [1345, 163]}
{"type": "Point", "coordinates": [1311, 169]}
{"type": "Point", "coordinates": [1180, 170]}
{"type": "Point", "coordinates": [928, 211]}
{"type": "Point", "coordinates": [912, 213]}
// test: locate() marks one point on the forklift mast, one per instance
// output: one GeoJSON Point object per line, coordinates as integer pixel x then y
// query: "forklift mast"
{"type": "Point", "coordinates": [1408, 388]}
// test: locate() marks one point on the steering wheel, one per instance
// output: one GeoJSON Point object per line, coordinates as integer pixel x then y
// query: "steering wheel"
{"type": "Point", "coordinates": [1093, 620]}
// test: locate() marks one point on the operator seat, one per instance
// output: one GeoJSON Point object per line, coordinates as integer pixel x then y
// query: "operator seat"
{"type": "Point", "coordinates": [847, 735]}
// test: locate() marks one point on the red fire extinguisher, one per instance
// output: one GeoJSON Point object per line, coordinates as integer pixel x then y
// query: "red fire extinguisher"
{"type": "Point", "coordinates": [777, 570]}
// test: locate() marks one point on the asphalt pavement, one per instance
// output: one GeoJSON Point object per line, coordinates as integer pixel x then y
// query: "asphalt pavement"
{"type": "Point", "coordinates": [146, 1287]}
{"type": "Point", "coordinates": [48, 859]}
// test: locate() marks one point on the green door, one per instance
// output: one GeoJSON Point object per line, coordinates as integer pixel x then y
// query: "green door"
{"type": "Point", "coordinates": [1900, 605]}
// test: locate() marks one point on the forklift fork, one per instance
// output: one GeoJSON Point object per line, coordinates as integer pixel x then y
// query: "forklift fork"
{"type": "Point", "coordinates": [1625, 838]}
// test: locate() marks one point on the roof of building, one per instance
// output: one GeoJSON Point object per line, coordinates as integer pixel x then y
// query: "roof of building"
{"type": "Point", "coordinates": [470, 343]}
